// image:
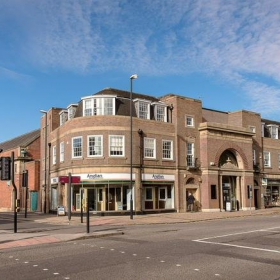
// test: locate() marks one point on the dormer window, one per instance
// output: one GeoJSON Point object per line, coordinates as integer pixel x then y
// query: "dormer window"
{"type": "Point", "coordinates": [98, 105]}
{"type": "Point", "coordinates": [63, 117]}
{"type": "Point", "coordinates": [273, 129]}
{"type": "Point", "coordinates": [142, 109]}
{"type": "Point", "coordinates": [160, 112]}
{"type": "Point", "coordinates": [72, 111]}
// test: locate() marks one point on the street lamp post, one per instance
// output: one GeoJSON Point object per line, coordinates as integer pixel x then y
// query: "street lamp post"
{"type": "Point", "coordinates": [132, 77]}
{"type": "Point", "coordinates": [45, 180]}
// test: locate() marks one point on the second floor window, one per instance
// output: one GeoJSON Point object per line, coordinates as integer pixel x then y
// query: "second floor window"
{"type": "Point", "coordinates": [167, 152]}
{"type": "Point", "coordinates": [143, 110]}
{"type": "Point", "coordinates": [54, 154]}
{"type": "Point", "coordinates": [95, 145]}
{"type": "Point", "coordinates": [273, 129]}
{"type": "Point", "coordinates": [160, 113]}
{"type": "Point", "coordinates": [116, 145]}
{"type": "Point", "coordinates": [99, 106]}
{"type": "Point", "coordinates": [189, 121]}
{"type": "Point", "coordinates": [61, 157]}
{"type": "Point", "coordinates": [77, 147]}
{"type": "Point", "coordinates": [266, 159]}
{"type": "Point", "coordinates": [149, 147]}
{"type": "Point", "coordinates": [190, 154]}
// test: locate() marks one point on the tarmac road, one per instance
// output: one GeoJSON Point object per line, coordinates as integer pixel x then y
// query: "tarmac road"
{"type": "Point", "coordinates": [238, 248]}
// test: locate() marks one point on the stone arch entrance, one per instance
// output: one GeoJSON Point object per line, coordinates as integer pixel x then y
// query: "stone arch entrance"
{"type": "Point", "coordinates": [192, 187]}
{"type": "Point", "coordinates": [229, 163]}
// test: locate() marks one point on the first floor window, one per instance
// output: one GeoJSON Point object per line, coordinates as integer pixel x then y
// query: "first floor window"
{"type": "Point", "coordinates": [95, 145]}
{"type": "Point", "coordinates": [266, 159]}
{"type": "Point", "coordinates": [190, 154]}
{"type": "Point", "coordinates": [149, 148]}
{"type": "Point", "coordinates": [116, 144]}
{"type": "Point", "coordinates": [61, 151]}
{"type": "Point", "coordinates": [76, 147]}
{"type": "Point", "coordinates": [54, 154]}
{"type": "Point", "coordinates": [167, 152]}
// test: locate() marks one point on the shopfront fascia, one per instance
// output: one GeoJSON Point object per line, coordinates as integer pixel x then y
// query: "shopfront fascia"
{"type": "Point", "coordinates": [158, 192]}
{"type": "Point", "coordinates": [104, 191]}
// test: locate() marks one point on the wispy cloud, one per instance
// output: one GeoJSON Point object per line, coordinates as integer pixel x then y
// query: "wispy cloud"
{"type": "Point", "coordinates": [232, 40]}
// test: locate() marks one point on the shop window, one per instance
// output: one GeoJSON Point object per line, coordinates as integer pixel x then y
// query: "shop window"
{"type": "Point", "coordinates": [100, 195]}
{"type": "Point", "coordinates": [118, 195]}
{"type": "Point", "coordinates": [162, 193]}
{"type": "Point", "coordinates": [116, 143]}
{"type": "Point", "coordinates": [213, 192]}
{"type": "Point", "coordinates": [149, 194]}
{"type": "Point", "coordinates": [169, 192]}
{"type": "Point", "coordinates": [77, 147]}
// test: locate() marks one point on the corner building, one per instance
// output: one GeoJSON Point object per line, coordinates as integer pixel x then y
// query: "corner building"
{"type": "Point", "coordinates": [228, 161]}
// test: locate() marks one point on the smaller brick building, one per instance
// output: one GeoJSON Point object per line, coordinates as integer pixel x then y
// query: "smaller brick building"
{"type": "Point", "coordinates": [26, 150]}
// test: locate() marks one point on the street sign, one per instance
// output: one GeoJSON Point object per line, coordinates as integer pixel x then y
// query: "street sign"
{"type": "Point", "coordinates": [65, 179]}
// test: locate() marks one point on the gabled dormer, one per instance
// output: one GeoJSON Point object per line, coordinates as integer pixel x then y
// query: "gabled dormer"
{"type": "Point", "coordinates": [72, 108]}
{"type": "Point", "coordinates": [63, 117]}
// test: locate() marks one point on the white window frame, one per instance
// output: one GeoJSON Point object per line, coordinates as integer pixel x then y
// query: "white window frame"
{"type": "Point", "coordinates": [61, 152]}
{"type": "Point", "coordinates": [192, 121]}
{"type": "Point", "coordinates": [252, 128]}
{"type": "Point", "coordinates": [63, 117]}
{"type": "Point", "coordinates": [54, 155]}
{"type": "Point", "coordinates": [97, 105]}
{"type": "Point", "coordinates": [273, 129]}
{"type": "Point", "coordinates": [266, 159]}
{"type": "Point", "coordinates": [72, 110]}
{"type": "Point", "coordinates": [146, 103]}
{"type": "Point", "coordinates": [190, 154]}
{"type": "Point", "coordinates": [74, 138]}
{"type": "Point", "coordinates": [156, 109]}
{"type": "Point", "coordinates": [263, 125]}
{"type": "Point", "coordinates": [171, 150]}
{"type": "Point", "coordinates": [146, 140]}
{"type": "Point", "coordinates": [123, 145]}
{"type": "Point", "coordinates": [88, 145]}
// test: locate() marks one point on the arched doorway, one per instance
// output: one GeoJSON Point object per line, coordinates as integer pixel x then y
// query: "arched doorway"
{"type": "Point", "coordinates": [192, 188]}
{"type": "Point", "coordinates": [230, 194]}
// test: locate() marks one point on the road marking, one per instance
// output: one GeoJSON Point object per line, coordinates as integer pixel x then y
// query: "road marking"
{"type": "Point", "coordinates": [10, 257]}
{"type": "Point", "coordinates": [112, 249]}
{"type": "Point", "coordinates": [178, 265]}
{"type": "Point", "coordinates": [26, 262]}
{"type": "Point", "coordinates": [237, 233]}
{"type": "Point", "coordinates": [196, 269]}
{"type": "Point", "coordinates": [56, 273]}
{"type": "Point", "coordinates": [147, 257]}
{"type": "Point", "coordinates": [162, 261]}
{"type": "Point", "coordinates": [134, 255]}
{"type": "Point", "coordinates": [101, 247]}
{"type": "Point", "coordinates": [239, 246]}
{"type": "Point", "coordinates": [217, 274]}
{"type": "Point", "coordinates": [17, 259]}
{"type": "Point", "coordinates": [67, 278]}
{"type": "Point", "coordinates": [122, 252]}
{"type": "Point", "coordinates": [45, 269]}
{"type": "Point", "coordinates": [35, 265]}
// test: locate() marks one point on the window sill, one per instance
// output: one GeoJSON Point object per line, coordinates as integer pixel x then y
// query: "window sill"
{"type": "Point", "coordinates": [97, 157]}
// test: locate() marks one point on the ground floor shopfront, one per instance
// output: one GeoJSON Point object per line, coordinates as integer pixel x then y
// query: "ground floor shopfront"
{"type": "Point", "coordinates": [108, 192]}
{"type": "Point", "coordinates": [272, 192]}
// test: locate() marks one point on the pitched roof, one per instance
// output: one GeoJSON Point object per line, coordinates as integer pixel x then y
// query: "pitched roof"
{"type": "Point", "coordinates": [20, 141]}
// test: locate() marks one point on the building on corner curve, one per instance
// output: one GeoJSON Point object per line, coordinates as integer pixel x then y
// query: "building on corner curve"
{"type": "Point", "coordinates": [228, 161]}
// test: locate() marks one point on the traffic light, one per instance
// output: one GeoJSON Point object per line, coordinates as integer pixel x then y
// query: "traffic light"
{"type": "Point", "coordinates": [5, 167]}
{"type": "Point", "coordinates": [25, 178]}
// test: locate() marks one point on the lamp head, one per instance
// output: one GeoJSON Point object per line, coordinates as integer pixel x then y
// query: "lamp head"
{"type": "Point", "coordinates": [134, 76]}
{"type": "Point", "coordinates": [43, 111]}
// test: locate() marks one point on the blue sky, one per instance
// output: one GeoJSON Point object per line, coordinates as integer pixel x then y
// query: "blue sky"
{"type": "Point", "coordinates": [53, 52]}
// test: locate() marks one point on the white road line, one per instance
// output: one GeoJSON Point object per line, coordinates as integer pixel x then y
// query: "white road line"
{"type": "Point", "coordinates": [134, 255]}
{"type": "Point", "coordinates": [239, 246]}
{"type": "Point", "coordinates": [26, 262]}
{"type": "Point", "coordinates": [147, 257]}
{"type": "Point", "coordinates": [162, 261]}
{"type": "Point", "coordinates": [237, 233]}
{"type": "Point", "coordinates": [10, 257]}
{"type": "Point", "coordinates": [178, 265]}
{"type": "Point", "coordinates": [196, 269]}
{"type": "Point", "coordinates": [45, 269]}
{"type": "Point", "coordinates": [122, 252]}
{"type": "Point", "coordinates": [112, 249]}
{"type": "Point", "coordinates": [56, 273]}
{"type": "Point", "coordinates": [35, 265]}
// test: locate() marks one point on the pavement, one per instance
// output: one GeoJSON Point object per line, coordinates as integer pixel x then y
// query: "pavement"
{"type": "Point", "coordinates": [40, 228]}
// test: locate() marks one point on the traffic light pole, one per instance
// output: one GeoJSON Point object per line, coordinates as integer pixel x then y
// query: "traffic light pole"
{"type": "Point", "coordinates": [15, 190]}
